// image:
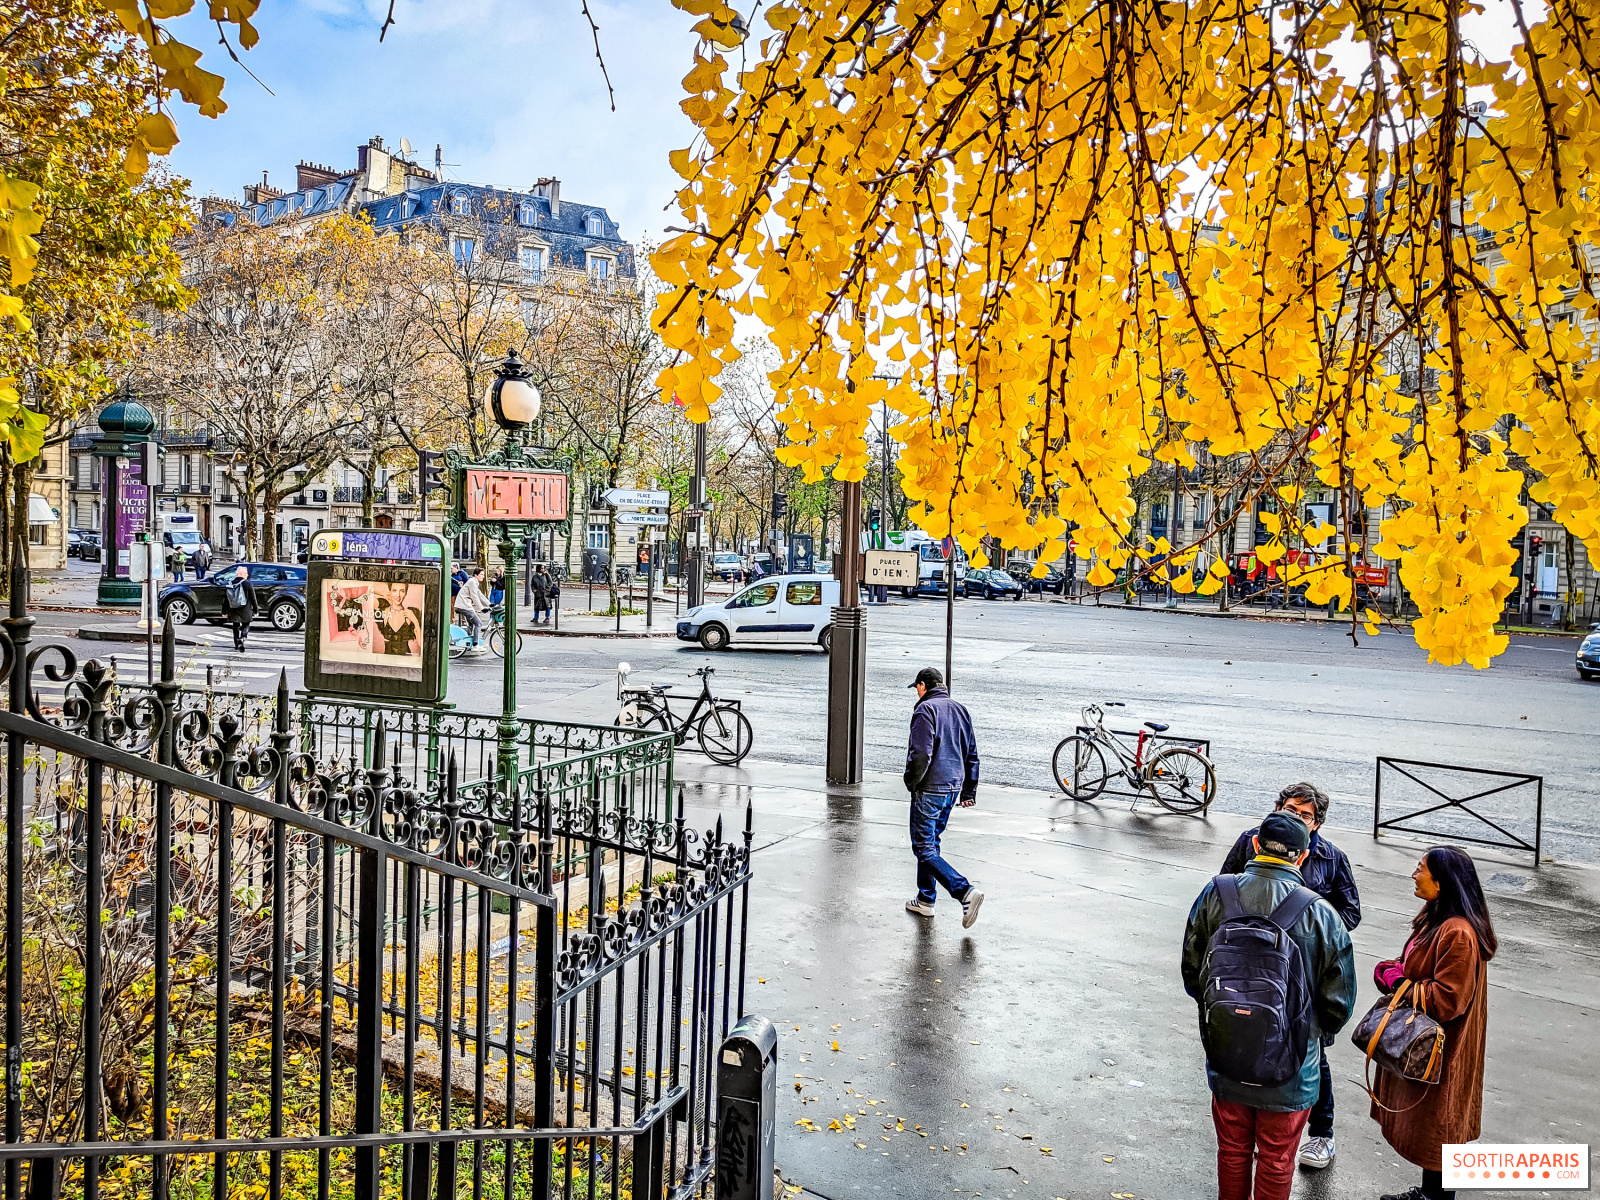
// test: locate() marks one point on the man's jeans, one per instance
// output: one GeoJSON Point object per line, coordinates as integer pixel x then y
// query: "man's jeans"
{"type": "Point", "coordinates": [1270, 1138]}
{"type": "Point", "coordinates": [930, 812]}
{"type": "Point", "coordinates": [469, 621]}
{"type": "Point", "coordinates": [1321, 1124]}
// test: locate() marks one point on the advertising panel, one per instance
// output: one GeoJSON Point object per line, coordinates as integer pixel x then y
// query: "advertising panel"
{"type": "Point", "coordinates": [376, 603]}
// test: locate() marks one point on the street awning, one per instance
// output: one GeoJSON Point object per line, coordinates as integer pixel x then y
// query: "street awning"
{"type": "Point", "coordinates": [39, 510]}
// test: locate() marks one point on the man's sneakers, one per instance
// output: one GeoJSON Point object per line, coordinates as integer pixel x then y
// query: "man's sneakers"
{"type": "Point", "coordinates": [970, 904]}
{"type": "Point", "coordinates": [1317, 1153]}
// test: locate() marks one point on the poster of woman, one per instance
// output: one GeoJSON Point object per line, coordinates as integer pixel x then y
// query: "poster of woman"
{"type": "Point", "coordinates": [372, 629]}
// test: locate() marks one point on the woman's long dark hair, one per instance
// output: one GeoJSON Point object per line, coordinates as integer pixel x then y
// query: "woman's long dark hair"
{"type": "Point", "coordinates": [1460, 895]}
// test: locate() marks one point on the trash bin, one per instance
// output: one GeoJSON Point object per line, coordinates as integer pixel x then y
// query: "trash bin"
{"type": "Point", "coordinates": [747, 1108]}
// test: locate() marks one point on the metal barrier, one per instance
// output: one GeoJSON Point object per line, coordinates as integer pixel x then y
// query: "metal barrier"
{"type": "Point", "coordinates": [1442, 802]}
{"type": "Point", "coordinates": [263, 947]}
{"type": "Point", "coordinates": [1203, 745]}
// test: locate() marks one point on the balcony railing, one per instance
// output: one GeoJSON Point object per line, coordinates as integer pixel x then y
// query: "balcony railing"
{"type": "Point", "coordinates": [348, 495]}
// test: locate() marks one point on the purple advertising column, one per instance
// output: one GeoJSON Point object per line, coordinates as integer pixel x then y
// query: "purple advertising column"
{"type": "Point", "coordinates": [131, 513]}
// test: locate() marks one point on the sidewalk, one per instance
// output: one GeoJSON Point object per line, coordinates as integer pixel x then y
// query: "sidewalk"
{"type": "Point", "coordinates": [1051, 1051]}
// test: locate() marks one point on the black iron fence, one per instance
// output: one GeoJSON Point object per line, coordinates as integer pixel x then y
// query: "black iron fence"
{"type": "Point", "coordinates": [282, 947]}
{"type": "Point", "coordinates": [1497, 805]}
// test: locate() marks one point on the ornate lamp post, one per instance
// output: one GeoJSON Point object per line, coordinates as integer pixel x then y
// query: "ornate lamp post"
{"type": "Point", "coordinates": [509, 496]}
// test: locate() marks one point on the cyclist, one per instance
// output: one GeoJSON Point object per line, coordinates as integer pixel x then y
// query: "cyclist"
{"type": "Point", "coordinates": [471, 603]}
{"type": "Point", "coordinates": [941, 764]}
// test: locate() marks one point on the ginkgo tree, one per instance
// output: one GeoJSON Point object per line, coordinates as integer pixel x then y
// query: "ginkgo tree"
{"type": "Point", "coordinates": [1093, 235]}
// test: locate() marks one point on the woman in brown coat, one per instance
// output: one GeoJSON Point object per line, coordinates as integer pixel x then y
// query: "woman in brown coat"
{"type": "Point", "coordinates": [1447, 956]}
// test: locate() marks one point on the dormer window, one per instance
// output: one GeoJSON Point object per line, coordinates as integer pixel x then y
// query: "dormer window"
{"type": "Point", "coordinates": [595, 226]}
{"type": "Point", "coordinates": [526, 213]}
{"type": "Point", "coordinates": [461, 205]}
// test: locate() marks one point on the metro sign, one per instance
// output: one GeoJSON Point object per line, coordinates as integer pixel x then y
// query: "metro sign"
{"type": "Point", "coordinates": [512, 496]}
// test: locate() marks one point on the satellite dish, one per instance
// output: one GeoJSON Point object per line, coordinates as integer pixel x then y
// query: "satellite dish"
{"type": "Point", "coordinates": [405, 147]}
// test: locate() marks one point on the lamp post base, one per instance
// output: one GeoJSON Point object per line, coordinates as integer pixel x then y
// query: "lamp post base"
{"type": "Point", "coordinates": [847, 693]}
{"type": "Point", "coordinates": [119, 593]}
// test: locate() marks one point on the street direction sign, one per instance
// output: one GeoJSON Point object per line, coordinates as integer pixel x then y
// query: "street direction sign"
{"type": "Point", "coordinates": [633, 498]}
{"type": "Point", "coordinates": [641, 518]}
{"type": "Point", "coordinates": [890, 568]}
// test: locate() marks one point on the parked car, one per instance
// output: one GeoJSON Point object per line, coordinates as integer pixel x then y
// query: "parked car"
{"type": "Point", "coordinates": [1053, 580]}
{"type": "Point", "coordinates": [280, 596]}
{"type": "Point", "coordinates": [990, 583]}
{"type": "Point", "coordinates": [88, 546]}
{"type": "Point", "coordinates": [794, 609]}
{"type": "Point", "coordinates": [1589, 654]}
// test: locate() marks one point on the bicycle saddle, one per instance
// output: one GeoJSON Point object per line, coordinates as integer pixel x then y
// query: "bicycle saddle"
{"type": "Point", "coordinates": [1157, 726]}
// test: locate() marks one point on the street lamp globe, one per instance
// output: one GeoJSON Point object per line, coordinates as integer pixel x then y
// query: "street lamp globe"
{"type": "Point", "coordinates": [511, 399]}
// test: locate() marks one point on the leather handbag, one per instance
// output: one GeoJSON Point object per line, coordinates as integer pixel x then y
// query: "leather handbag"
{"type": "Point", "coordinates": [1402, 1039]}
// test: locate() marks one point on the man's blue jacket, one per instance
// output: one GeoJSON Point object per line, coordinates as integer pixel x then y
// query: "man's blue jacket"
{"type": "Point", "coordinates": [943, 754]}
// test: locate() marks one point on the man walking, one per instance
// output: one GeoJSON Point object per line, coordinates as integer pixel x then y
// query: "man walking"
{"type": "Point", "coordinates": [241, 598]}
{"type": "Point", "coordinates": [1327, 873]}
{"type": "Point", "coordinates": [941, 765]}
{"type": "Point", "coordinates": [1269, 963]}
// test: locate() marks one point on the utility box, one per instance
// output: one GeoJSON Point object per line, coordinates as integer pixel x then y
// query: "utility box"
{"type": "Point", "coordinates": [747, 1110]}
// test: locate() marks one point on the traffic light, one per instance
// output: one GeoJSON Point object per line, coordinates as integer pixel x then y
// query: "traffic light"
{"type": "Point", "coordinates": [874, 519]}
{"type": "Point", "coordinates": [1535, 544]}
{"type": "Point", "coordinates": [780, 505]}
{"type": "Point", "coordinates": [430, 470]}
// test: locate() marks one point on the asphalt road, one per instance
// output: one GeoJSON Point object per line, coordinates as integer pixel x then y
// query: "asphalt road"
{"type": "Point", "coordinates": [1278, 702]}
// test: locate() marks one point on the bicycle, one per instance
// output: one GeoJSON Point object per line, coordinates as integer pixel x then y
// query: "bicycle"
{"type": "Point", "coordinates": [723, 731]}
{"type": "Point", "coordinates": [1178, 778]}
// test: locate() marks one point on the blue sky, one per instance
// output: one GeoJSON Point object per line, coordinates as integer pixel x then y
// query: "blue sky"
{"type": "Point", "coordinates": [510, 88]}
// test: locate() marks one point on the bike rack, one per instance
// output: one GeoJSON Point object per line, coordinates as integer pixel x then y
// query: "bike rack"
{"type": "Point", "coordinates": [1203, 745]}
{"type": "Point", "coordinates": [1460, 805]}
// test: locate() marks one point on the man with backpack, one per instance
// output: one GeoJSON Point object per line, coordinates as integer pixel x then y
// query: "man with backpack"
{"type": "Point", "coordinates": [241, 601]}
{"type": "Point", "coordinates": [1327, 873]}
{"type": "Point", "coordinates": [1270, 965]}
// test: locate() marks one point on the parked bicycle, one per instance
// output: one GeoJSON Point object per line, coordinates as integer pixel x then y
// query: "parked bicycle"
{"type": "Point", "coordinates": [723, 731]}
{"type": "Point", "coordinates": [1178, 778]}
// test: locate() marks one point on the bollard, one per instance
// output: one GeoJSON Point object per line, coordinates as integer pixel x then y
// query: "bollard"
{"type": "Point", "coordinates": [747, 1107]}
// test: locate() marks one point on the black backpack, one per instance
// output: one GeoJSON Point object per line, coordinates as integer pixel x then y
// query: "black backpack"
{"type": "Point", "coordinates": [1255, 1009]}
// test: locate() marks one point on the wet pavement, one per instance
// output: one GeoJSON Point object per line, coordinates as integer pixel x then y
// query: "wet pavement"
{"type": "Point", "coordinates": [1050, 1051]}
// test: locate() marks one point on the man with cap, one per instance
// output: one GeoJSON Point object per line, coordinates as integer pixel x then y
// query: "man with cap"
{"type": "Point", "coordinates": [1255, 1120]}
{"type": "Point", "coordinates": [941, 769]}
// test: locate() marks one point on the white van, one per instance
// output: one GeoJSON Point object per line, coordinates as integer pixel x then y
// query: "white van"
{"type": "Point", "coordinates": [180, 531]}
{"type": "Point", "coordinates": [782, 609]}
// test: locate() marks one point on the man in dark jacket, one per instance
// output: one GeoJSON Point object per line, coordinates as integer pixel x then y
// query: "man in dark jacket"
{"type": "Point", "coordinates": [941, 766]}
{"type": "Point", "coordinates": [1326, 872]}
{"type": "Point", "coordinates": [1253, 1119]}
{"type": "Point", "coordinates": [542, 583]}
{"type": "Point", "coordinates": [241, 602]}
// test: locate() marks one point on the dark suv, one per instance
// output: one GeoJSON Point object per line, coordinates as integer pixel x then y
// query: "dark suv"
{"type": "Point", "coordinates": [280, 596]}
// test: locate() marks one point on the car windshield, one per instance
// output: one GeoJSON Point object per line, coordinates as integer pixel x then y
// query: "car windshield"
{"type": "Point", "coordinates": [184, 537]}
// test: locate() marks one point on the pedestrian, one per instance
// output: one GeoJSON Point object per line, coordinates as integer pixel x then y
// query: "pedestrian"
{"type": "Point", "coordinates": [497, 588]}
{"type": "Point", "coordinates": [941, 770]}
{"type": "Point", "coordinates": [543, 585]}
{"type": "Point", "coordinates": [1327, 873]}
{"type": "Point", "coordinates": [471, 603]}
{"type": "Point", "coordinates": [456, 581]}
{"type": "Point", "coordinates": [1264, 1005]}
{"type": "Point", "coordinates": [1447, 958]}
{"type": "Point", "coordinates": [241, 605]}
{"type": "Point", "coordinates": [175, 563]}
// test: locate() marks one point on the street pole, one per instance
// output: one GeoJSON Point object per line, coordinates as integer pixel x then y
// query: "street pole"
{"type": "Point", "coordinates": [847, 656]}
{"type": "Point", "coordinates": [697, 504]}
{"type": "Point", "coordinates": [949, 608]}
{"type": "Point", "coordinates": [1172, 527]}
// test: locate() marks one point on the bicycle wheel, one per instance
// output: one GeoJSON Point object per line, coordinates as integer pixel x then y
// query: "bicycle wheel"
{"type": "Point", "coordinates": [497, 641]}
{"type": "Point", "coordinates": [725, 734]}
{"type": "Point", "coordinates": [643, 715]}
{"type": "Point", "coordinates": [1079, 767]}
{"type": "Point", "coordinates": [1181, 780]}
